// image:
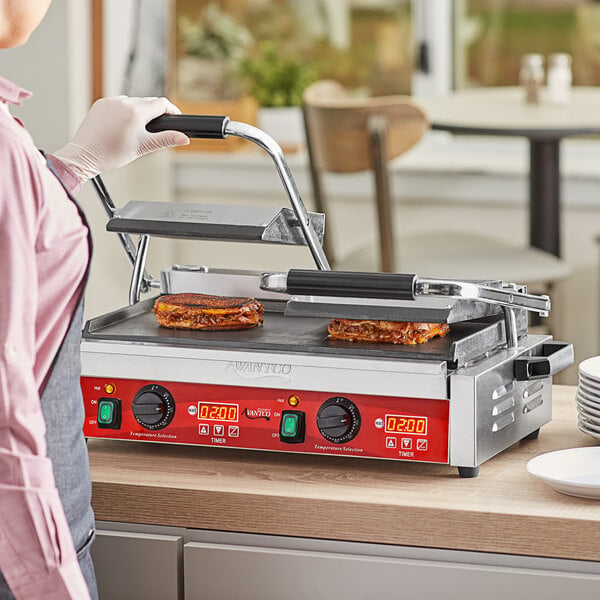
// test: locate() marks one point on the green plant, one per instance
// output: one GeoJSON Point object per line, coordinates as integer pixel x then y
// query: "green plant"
{"type": "Point", "coordinates": [215, 36]}
{"type": "Point", "coordinates": [276, 81]}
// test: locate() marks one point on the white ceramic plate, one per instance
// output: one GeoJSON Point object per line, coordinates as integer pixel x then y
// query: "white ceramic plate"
{"type": "Point", "coordinates": [575, 471]}
{"type": "Point", "coordinates": [589, 411]}
{"type": "Point", "coordinates": [588, 415]}
{"type": "Point", "coordinates": [590, 398]}
{"type": "Point", "coordinates": [591, 368]}
{"type": "Point", "coordinates": [592, 384]}
{"type": "Point", "coordinates": [592, 390]}
{"type": "Point", "coordinates": [581, 396]}
{"type": "Point", "coordinates": [587, 431]}
{"type": "Point", "coordinates": [588, 424]}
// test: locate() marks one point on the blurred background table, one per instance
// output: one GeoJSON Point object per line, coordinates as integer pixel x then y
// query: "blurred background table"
{"type": "Point", "coordinates": [502, 111]}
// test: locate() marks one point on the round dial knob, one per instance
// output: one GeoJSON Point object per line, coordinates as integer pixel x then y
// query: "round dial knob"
{"type": "Point", "coordinates": [338, 420]}
{"type": "Point", "coordinates": [153, 407]}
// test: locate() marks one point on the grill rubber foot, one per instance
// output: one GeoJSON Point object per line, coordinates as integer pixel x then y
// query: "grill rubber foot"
{"type": "Point", "coordinates": [534, 435]}
{"type": "Point", "coordinates": [468, 472]}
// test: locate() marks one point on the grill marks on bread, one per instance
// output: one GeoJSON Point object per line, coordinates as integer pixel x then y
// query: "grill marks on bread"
{"type": "Point", "coordinates": [207, 313]}
{"type": "Point", "coordinates": [388, 332]}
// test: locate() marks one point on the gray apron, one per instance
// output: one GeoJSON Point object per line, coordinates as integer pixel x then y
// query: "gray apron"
{"type": "Point", "coordinates": [62, 406]}
{"type": "Point", "coordinates": [63, 410]}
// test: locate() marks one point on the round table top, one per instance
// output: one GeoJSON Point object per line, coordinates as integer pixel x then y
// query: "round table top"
{"type": "Point", "coordinates": [503, 111]}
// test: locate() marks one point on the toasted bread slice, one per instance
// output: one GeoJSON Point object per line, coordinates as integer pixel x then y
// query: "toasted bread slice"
{"type": "Point", "coordinates": [387, 332]}
{"type": "Point", "coordinates": [206, 312]}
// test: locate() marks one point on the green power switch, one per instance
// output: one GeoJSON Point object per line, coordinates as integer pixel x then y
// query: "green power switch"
{"type": "Point", "coordinates": [109, 413]}
{"type": "Point", "coordinates": [291, 428]}
{"type": "Point", "coordinates": [105, 412]}
{"type": "Point", "coordinates": [290, 425]}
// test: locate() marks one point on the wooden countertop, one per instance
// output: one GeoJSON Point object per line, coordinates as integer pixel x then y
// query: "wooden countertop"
{"type": "Point", "coordinates": [503, 510]}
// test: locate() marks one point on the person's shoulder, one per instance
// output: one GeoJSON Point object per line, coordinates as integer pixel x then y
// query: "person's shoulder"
{"type": "Point", "coordinates": [20, 161]}
{"type": "Point", "coordinates": [14, 138]}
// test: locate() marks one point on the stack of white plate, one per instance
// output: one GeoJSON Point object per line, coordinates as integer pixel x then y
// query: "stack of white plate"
{"type": "Point", "coordinates": [588, 397]}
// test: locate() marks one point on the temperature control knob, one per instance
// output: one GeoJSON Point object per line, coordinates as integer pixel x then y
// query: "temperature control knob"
{"type": "Point", "coordinates": [153, 407]}
{"type": "Point", "coordinates": [338, 420]}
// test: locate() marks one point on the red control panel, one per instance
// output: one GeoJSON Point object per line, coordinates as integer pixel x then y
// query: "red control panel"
{"type": "Point", "coordinates": [414, 429]}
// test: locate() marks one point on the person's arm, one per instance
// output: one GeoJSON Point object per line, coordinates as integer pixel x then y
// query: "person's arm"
{"type": "Point", "coordinates": [37, 557]}
{"type": "Point", "coordinates": [113, 134]}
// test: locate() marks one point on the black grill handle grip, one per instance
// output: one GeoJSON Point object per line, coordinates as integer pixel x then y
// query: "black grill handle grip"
{"type": "Point", "coordinates": [351, 284]}
{"type": "Point", "coordinates": [194, 126]}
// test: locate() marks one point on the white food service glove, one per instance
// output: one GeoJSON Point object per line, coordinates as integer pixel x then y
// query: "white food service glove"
{"type": "Point", "coordinates": [113, 133]}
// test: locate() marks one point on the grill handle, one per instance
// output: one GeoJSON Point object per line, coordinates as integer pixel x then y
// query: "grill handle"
{"type": "Point", "coordinates": [350, 284]}
{"type": "Point", "coordinates": [219, 127]}
{"type": "Point", "coordinates": [556, 356]}
{"type": "Point", "coordinates": [194, 126]}
{"type": "Point", "coordinates": [397, 286]}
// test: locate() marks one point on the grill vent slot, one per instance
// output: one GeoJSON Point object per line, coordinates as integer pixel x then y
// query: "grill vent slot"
{"type": "Point", "coordinates": [534, 389]}
{"type": "Point", "coordinates": [533, 404]}
{"type": "Point", "coordinates": [503, 406]}
{"type": "Point", "coordinates": [503, 421]}
{"type": "Point", "coordinates": [533, 397]}
{"type": "Point", "coordinates": [503, 390]}
{"type": "Point", "coordinates": [504, 399]}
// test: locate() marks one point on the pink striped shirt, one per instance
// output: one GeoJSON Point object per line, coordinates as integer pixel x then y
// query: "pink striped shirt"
{"type": "Point", "coordinates": [43, 257]}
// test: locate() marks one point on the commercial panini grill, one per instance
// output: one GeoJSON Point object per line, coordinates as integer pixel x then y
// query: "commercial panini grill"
{"type": "Point", "coordinates": [286, 386]}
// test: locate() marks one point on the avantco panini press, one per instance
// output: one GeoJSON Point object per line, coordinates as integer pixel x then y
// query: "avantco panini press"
{"type": "Point", "coordinates": [286, 386]}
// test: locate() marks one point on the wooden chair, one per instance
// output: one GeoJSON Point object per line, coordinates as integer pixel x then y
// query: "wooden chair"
{"type": "Point", "coordinates": [348, 135]}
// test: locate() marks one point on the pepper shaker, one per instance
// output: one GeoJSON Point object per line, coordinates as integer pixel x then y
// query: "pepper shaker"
{"type": "Point", "coordinates": [532, 76]}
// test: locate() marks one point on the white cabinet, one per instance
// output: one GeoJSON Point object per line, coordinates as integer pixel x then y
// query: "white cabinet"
{"type": "Point", "coordinates": [132, 565]}
{"type": "Point", "coordinates": [168, 563]}
{"type": "Point", "coordinates": [233, 572]}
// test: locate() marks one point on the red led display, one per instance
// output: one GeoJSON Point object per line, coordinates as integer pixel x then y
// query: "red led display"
{"type": "Point", "coordinates": [213, 411]}
{"type": "Point", "coordinates": [406, 424]}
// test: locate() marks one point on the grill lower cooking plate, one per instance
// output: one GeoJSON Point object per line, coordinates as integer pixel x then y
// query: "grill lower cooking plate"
{"type": "Point", "coordinates": [466, 341]}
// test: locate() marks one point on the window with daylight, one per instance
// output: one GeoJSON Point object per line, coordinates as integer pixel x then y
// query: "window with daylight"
{"type": "Point", "coordinates": [272, 49]}
{"type": "Point", "coordinates": [492, 35]}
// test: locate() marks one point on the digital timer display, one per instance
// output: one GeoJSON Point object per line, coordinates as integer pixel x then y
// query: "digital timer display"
{"type": "Point", "coordinates": [213, 411]}
{"type": "Point", "coordinates": [405, 424]}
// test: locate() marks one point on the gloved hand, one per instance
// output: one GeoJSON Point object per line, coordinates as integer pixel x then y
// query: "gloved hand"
{"type": "Point", "coordinates": [113, 133]}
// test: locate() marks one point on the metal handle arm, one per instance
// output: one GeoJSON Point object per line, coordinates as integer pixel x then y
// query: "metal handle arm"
{"type": "Point", "coordinates": [219, 127]}
{"type": "Point", "coordinates": [267, 143]}
{"type": "Point", "coordinates": [397, 286]}
{"type": "Point", "coordinates": [145, 281]}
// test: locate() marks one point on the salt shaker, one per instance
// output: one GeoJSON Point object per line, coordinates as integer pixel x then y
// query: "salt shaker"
{"type": "Point", "coordinates": [559, 78]}
{"type": "Point", "coordinates": [532, 76]}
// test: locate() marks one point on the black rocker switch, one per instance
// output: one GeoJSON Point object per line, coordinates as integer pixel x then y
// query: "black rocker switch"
{"type": "Point", "coordinates": [109, 413]}
{"type": "Point", "coordinates": [292, 427]}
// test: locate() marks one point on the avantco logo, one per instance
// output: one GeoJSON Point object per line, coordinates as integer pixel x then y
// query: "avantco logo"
{"type": "Point", "coordinates": [257, 370]}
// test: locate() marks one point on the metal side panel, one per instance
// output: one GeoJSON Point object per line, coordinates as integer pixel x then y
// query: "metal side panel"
{"type": "Point", "coordinates": [490, 410]}
{"type": "Point", "coordinates": [416, 379]}
{"type": "Point", "coordinates": [462, 450]}
{"type": "Point", "coordinates": [509, 410]}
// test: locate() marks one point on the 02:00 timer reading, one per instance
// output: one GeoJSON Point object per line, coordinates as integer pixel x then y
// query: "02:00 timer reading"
{"type": "Point", "coordinates": [217, 412]}
{"type": "Point", "coordinates": [405, 424]}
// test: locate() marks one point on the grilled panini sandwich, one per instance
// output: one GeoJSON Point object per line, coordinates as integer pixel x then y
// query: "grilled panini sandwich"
{"type": "Point", "coordinates": [391, 332]}
{"type": "Point", "coordinates": [207, 313]}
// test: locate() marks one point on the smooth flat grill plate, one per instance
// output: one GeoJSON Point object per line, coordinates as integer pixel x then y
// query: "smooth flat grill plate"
{"type": "Point", "coordinates": [280, 333]}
